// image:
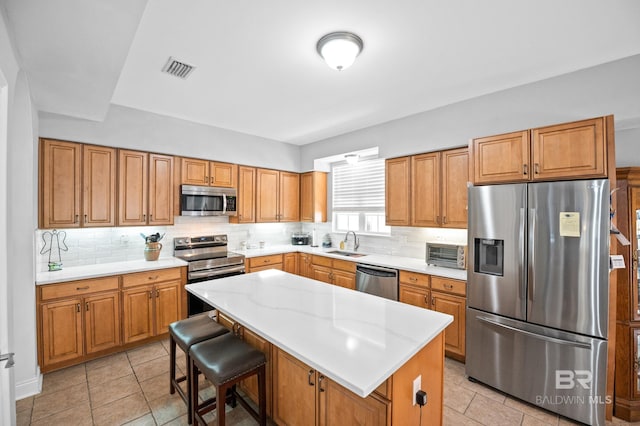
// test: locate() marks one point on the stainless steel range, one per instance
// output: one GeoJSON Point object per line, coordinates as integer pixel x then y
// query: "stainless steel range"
{"type": "Point", "coordinates": [208, 259]}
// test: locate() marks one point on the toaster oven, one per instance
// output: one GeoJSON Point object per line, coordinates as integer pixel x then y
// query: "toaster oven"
{"type": "Point", "coordinates": [447, 255]}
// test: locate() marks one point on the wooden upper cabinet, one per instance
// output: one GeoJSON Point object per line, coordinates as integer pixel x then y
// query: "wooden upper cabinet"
{"type": "Point", "coordinates": [570, 150]}
{"type": "Point", "coordinates": [208, 173]}
{"type": "Point", "coordinates": [60, 184]}
{"type": "Point", "coordinates": [99, 186]}
{"type": "Point", "coordinates": [160, 190]}
{"type": "Point", "coordinates": [289, 197]}
{"type": "Point", "coordinates": [313, 197]}
{"type": "Point", "coordinates": [425, 189]}
{"type": "Point", "coordinates": [277, 196]}
{"type": "Point", "coordinates": [246, 206]}
{"type": "Point", "coordinates": [398, 191]}
{"type": "Point", "coordinates": [455, 177]}
{"type": "Point", "coordinates": [133, 187]}
{"type": "Point", "coordinates": [501, 158]}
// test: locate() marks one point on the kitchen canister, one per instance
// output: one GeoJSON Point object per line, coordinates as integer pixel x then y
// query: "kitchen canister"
{"type": "Point", "coordinates": [152, 251]}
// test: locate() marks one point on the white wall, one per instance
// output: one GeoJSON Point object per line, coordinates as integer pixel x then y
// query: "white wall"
{"type": "Point", "coordinates": [21, 208]}
{"type": "Point", "coordinates": [628, 147]}
{"type": "Point", "coordinates": [612, 88]}
{"type": "Point", "coordinates": [129, 128]}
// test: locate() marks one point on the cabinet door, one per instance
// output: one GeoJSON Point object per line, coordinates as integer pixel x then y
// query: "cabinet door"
{"type": "Point", "coordinates": [291, 263]}
{"type": "Point", "coordinates": [398, 191]}
{"type": "Point", "coordinates": [267, 186]}
{"type": "Point", "coordinates": [313, 197]}
{"type": "Point", "coordinates": [294, 391]}
{"type": "Point", "coordinates": [501, 158]}
{"type": "Point", "coordinates": [167, 298]}
{"type": "Point", "coordinates": [415, 296]}
{"type": "Point", "coordinates": [340, 406]}
{"type": "Point", "coordinates": [223, 174]}
{"type": "Point", "coordinates": [250, 385]}
{"type": "Point", "coordinates": [194, 171]}
{"type": "Point", "coordinates": [305, 267]}
{"type": "Point", "coordinates": [99, 186]}
{"type": "Point", "coordinates": [277, 266]}
{"type": "Point", "coordinates": [572, 150]}
{"type": "Point", "coordinates": [137, 313]}
{"type": "Point", "coordinates": [160, 189]}
{"type": "Point", "coordinates": [455, 176]}
{"type": "Point", "coordinates": [132, 187]}
{"type": "Point", "coordinates": [322, 273]}
{"type": "Point", "coordinates": [425, 190]}
{"type": "Point", "coordinates": [102, 321]}
{"type": "Point", "coordinates": [60, 184]}
{"type": "Point", "coordinates": [246, 196]}
{"type": "Point", "coordinates": [344, 279]}
{"type": "Point", "coordinates": [289, 202]}
{"type": "Point", "coordinates": [61, 331]}
{"type": "Point", "coordinates": [454, 334]}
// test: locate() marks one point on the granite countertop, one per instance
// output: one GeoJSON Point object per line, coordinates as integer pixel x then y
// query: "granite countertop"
{"type": "Point", "coordinates": [106, 269]}
{"type": "Point", "coordinates": [397, 262]}
{"type": "Point", "coordinates": [353, 338]}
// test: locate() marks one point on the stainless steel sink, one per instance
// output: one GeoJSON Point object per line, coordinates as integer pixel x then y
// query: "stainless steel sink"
{"type": "Point", "coordinates": [346, 253]}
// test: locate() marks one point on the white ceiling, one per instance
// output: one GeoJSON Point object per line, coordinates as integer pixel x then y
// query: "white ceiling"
{"type": "Point", "coordinates": [258, 71]}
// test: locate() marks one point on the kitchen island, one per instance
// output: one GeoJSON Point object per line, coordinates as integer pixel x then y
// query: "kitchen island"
{"type": "Point", "coordinates": [357, 354]}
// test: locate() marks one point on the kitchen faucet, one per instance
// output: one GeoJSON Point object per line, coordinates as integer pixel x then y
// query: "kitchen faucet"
{"type": "Point", "coordinates": [356, 243]}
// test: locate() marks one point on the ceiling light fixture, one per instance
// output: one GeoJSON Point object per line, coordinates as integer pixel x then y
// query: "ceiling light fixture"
{"type": "Point", "coordinates": [351, 158]}
{"type": "Point", "coordinates": [339, 49]}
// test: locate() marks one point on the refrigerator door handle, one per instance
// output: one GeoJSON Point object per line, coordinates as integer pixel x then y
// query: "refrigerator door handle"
{"type": "Point", "coordinates": [532, 259]}
{"type": "Point", "coordinates": [521, 266]}
{"type": "Point", "coordinates": [537, 336]}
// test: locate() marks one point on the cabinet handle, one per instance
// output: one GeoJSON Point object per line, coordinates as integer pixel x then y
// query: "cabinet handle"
{"type": "Point", "coordinates": [157, 294]}
{"type": "Point", "coordinates": [444, 220]}
{"type": "Point", "coordinates": [151, 217]}
{"type": "Point", "coordinates": [525, 169]}
{"type": "Point", "coordinates": [426, 300]}
{"type": "Point", "coordinates": [265, 261]}
{"type": "Point", "coordinates": [76, 219]}
{"type": "Point", "coordinates": [154, 277]}
{"type": "Point", "coordinates": [537, 168]}
{"type": "Point", "coordinates": [433, 301]}
{"type": "Point", "coordinates": [83, 288]}
{"type": "Point", "coordinates": [78, 307]}
{"type": "Point", "coordinates": [413, 279]}
{"type": "Point", "coordinates": [85, 218]}
{"type": "Point", "coordinates": [86, 306]}
{"type": "Point", "coordinates": [320, 379]}
{"type": "Point", "coordinates": [438, 220]}
{"type": "Point", "coordinates": [448, 286]}
{"type": "Point", "coordinates": [144, 217]}
{"type": "Point", "coordinates": [309, 378]}
{"type": "Point", "coordinates": [150, 294]}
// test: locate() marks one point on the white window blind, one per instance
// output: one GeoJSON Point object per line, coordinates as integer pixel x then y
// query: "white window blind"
{"type": "Point", "coordinates": [359, 187]}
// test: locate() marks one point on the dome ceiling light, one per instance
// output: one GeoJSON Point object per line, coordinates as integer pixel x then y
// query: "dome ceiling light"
{"type": "Point", "coordinates": [339, 49]}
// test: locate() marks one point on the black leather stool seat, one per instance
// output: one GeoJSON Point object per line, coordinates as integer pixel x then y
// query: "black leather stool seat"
{"type": "Point", "coordinates": [185, 333]}
{"type": "Point", "coordinates": [225, 361]}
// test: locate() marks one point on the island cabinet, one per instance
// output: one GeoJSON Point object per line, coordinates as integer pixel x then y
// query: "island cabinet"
{"type": "Point", "coordinates": [277, 196]}
{"type": "Point", "coordinates": [443, 295]}
{"type": "Point", "coordinates": [77, 185]}
{"type": "Point", "coordinates": [145, 188]}
{"type": "Point", "coordinates": [260, 263]}
{"type": "Point", "coordinates": [208, 173]}
{"type": "Point", "coordinates": [334, 271]}
{"type": "Point", "coordinates": [303, 396]}
{"type": "Point", "coordinates": [151, 301]}
{"type": "Point", "coordinates": [573, 150]}
{"type": "Point", "coordinates": [77, 318]}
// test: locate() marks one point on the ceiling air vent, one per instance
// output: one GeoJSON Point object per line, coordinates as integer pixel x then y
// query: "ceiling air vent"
{"type": "Point", "coordinates": [177, 68]}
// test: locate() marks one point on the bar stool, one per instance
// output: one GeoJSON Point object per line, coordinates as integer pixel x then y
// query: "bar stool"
{"type": "Point", "coordinates": [225, 361]}
{"type": "Point", "coordinates": [186, 333]}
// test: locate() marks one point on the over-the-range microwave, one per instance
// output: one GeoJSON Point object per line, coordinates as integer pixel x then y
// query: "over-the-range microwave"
{"type": "Point", "coordinates": [207, 201]}
{"type": "Point", "coordinates": [447, 255]}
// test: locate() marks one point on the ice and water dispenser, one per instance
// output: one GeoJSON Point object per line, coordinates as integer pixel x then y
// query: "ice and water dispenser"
{"type": "Point", "coordinates": [489, 256]}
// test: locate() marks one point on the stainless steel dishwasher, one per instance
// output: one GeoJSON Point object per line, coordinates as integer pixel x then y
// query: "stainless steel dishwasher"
{"type": "Point", "coordinates": [376, 280]}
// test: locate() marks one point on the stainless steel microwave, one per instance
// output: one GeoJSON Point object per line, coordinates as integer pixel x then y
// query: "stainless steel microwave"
{"type": "Point", "coordinates": [207, 201]}
{"type": "Point", "coordinates": [447, 255]}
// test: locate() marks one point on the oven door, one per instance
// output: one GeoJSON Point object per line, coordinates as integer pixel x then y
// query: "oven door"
{"type": "Point", "coordinates": [196, 305]}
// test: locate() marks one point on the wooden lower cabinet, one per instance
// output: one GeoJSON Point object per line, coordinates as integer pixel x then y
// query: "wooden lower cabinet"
{"type": "Point", "coordinates": [260, 263]}
{"type": "Point", "coordinates": [416, 296]}
{"type": "Point", "coordinates": [303, 396]}
{"type": "Point", "coordinates": [334, 271]}
{"type": "Point", "coordinates": [305, 267]}
{"type": "Point", "coordinates": [102, 322]}
{"type": "Point", "coordinates": [290, 263]}
{"type": "Point", "coordinates": [454, 334]}
{"type": "Point", "coordinates": [61, 331]}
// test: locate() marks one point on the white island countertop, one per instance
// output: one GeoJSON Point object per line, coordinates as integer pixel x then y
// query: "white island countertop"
{"type": "Point", "coordinates": [356, 339]}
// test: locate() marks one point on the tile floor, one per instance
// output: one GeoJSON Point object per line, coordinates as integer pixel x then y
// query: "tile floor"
{"type": "Point", "coordinates": [132, 388]}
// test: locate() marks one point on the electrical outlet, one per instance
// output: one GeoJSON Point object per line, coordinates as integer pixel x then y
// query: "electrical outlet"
{"type": "Point", "coordinates": [417, 384]}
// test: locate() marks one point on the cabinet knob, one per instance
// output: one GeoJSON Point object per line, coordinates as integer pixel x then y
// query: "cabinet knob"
{"type": "Point", "coordinates": [413, 279]}
{"type": "Point", "coordinates": [525, 169]}
{"type": "Point", "coordinates": [537, 168]}
{"type": "Point", "coordinates": [78, 307]}
{"type": "Point", "coordinates": [155, 277]}
{"type": "Point", "coordinates": [448, 286]}
{"type": "Point", "coordinates": [309, 378]}
{"type": "Point", "coordinates": [86, 306]}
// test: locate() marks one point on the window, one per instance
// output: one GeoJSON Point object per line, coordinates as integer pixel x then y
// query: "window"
{"type": "Point", "coordinates": [358, 198]}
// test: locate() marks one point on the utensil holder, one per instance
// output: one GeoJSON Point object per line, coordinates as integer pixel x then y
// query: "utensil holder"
{"type": "Point", "coordinates": [152, 251]}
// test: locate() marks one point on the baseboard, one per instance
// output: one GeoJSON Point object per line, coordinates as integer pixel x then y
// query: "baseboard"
{"type": "Point", "coordinates": [29, 387]}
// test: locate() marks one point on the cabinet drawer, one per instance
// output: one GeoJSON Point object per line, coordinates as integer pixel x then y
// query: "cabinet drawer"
{"type": "Point", "coordinates": [76, 288]}
{"type": "Point", "coordinates": [344, 265]}
{"type": "Point", "coordinates": [150, 277]}
{"type": "Point", "coordinates": [265, 260]}
{"type": "Point", "coordinates": [449, 285]}
{"type": "Point", "coordinates": [414, 278]}
{"type": "Point", "coordinates": [322, 261]}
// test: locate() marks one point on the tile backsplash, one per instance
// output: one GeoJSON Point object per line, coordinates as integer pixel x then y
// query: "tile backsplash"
{"type": "Point", "coordinates": [104, 245]}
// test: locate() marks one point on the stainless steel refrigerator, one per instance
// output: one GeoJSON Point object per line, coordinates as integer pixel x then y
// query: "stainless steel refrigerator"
{"type": "Point", "coordinates": [538, 293]}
